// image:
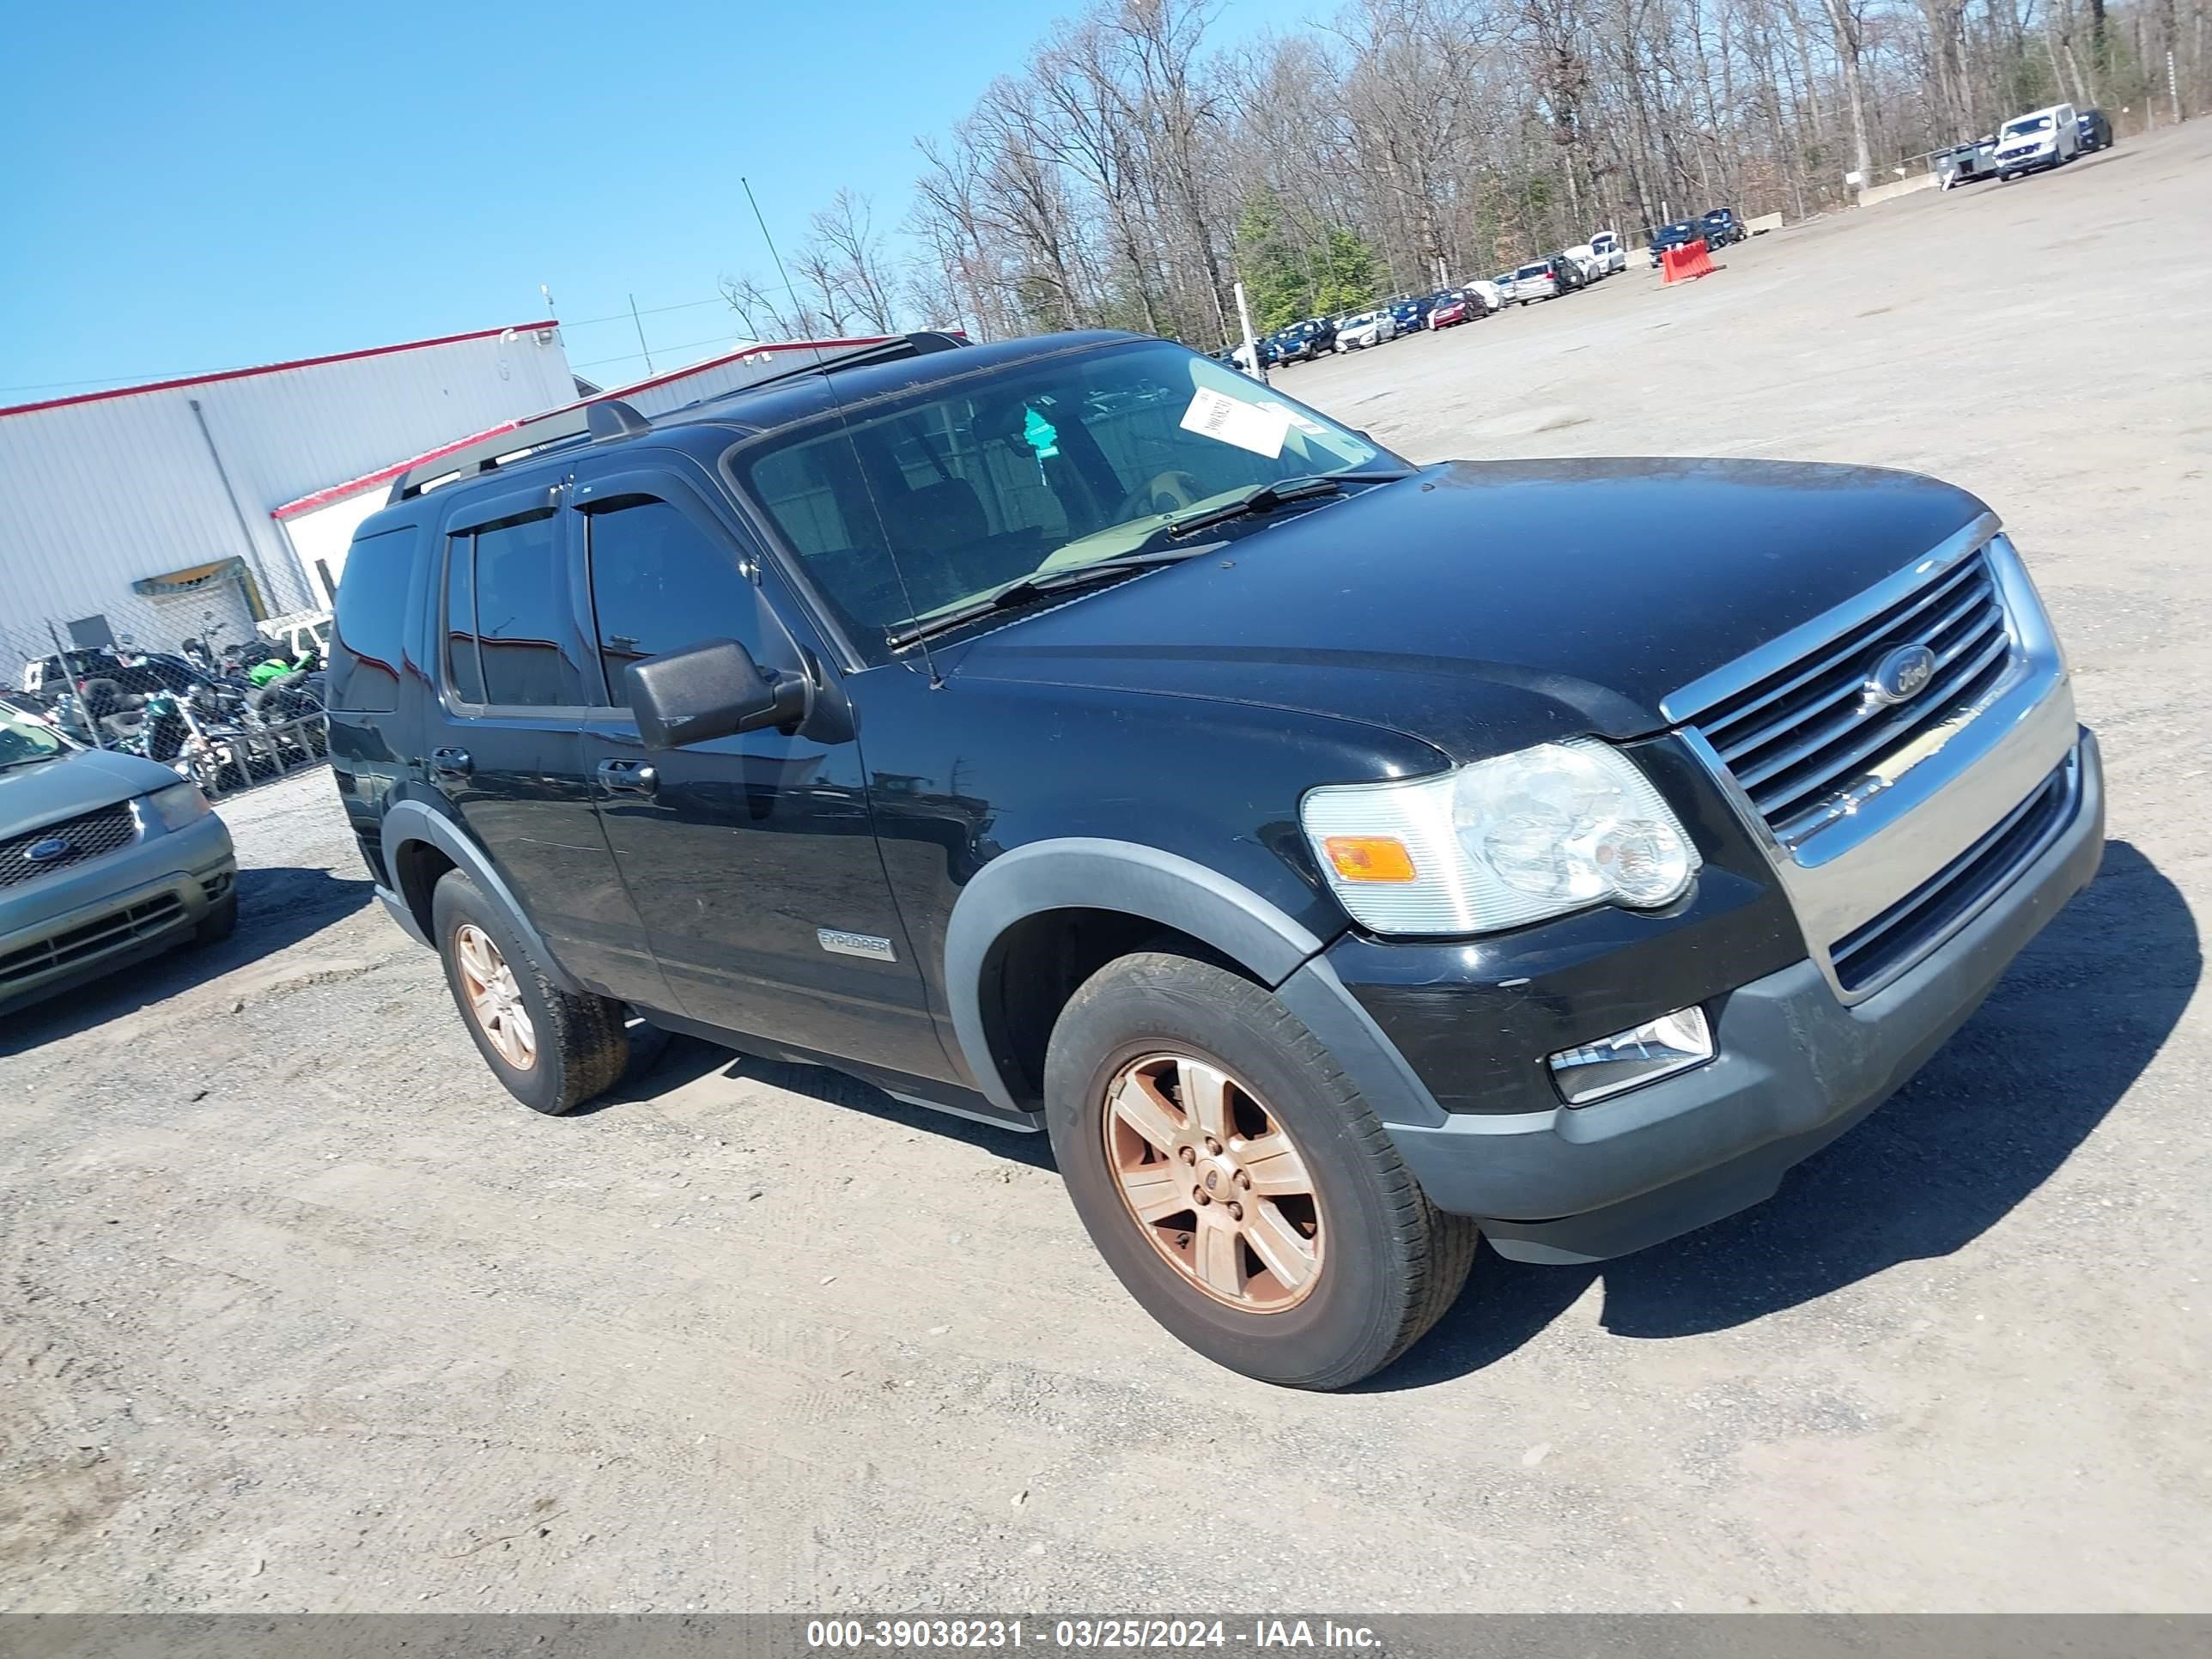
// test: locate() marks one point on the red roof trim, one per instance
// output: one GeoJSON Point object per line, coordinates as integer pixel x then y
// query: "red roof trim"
{"type": "Point", "coordinates": [338, 492]}
{"type": "Point", "coordinates": [531, 326]}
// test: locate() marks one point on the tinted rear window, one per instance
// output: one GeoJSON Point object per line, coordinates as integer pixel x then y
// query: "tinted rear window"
{"type": "Point", "coordinates": [522, 617]}
{"type": "Point", "coordinates": [372, 619]}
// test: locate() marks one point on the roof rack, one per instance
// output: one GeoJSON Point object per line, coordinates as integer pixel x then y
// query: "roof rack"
{"type": "Point", "coordinates": [604, 420]}
{"type": "Point", "coordinates": [525, 439]}
{"type": "Point", "coordinates": [899, 347]}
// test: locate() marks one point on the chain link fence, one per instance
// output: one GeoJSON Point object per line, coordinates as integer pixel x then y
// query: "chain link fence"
{"type": "Point", "coordinates": [186, 680]}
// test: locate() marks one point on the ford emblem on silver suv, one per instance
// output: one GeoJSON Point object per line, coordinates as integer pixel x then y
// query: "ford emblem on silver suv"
{"type": "Point", "coordinates": [1898, 677]}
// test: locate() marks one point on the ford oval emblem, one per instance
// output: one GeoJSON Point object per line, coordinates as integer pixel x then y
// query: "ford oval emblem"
{"type": "Point", "coordinates": [47, 851]}
{"type": "Point", "coordinates": [1901, 675]}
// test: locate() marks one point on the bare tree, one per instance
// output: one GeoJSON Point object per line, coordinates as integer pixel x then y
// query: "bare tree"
{"type": "Point", "coordinates": [854, 263]}
{"type": "Point", "coordinates": [1130, 171]}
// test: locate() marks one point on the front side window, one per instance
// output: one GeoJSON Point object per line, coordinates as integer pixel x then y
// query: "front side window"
{"type": "Point", "coordinates": [963, 489]}
{"type": "Point", "coordinates": [660, 583]}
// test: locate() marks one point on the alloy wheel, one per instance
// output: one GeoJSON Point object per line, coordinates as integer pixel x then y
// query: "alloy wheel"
{"type": "Point", "coordinates": [495, 1000]}
{"type": "Point", "coordinates": [1212, 1180]}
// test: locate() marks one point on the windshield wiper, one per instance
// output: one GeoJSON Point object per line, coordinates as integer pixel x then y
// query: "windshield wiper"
{"type": "Point", "coordinates": [1267, 497]}
{"type": "Point", "coordinates": [1157, 548]}
{"type": "Point", "coordinates": [1030, 588]}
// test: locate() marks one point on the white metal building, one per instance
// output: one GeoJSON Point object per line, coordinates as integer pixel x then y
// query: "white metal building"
{"type": "Point", "coordinates": [320, 524]}
{"type": "Point", "coordinates": [152, 510]}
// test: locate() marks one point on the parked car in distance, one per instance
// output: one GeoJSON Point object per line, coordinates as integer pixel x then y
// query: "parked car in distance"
{"type": "Point", "coordinates": [2095, 129]}
{"type": "Point", "coordinates": [1239, 356]}
{"type": "Point", "coordinates": [1964, 164]}
{"type": "Point", "coordinates": [1304, 341]}
{"type": "Point", "coordinates": [2042, 138]}
{"type": "Point", "coordinates": [1547, 278]}
{"type": "Point", "coordinates": [1410, 314]}
{"type": "Point", "coordinates": [1586, 261]}
{"type": "Point", "coordinates": [1489, 294]}
{"type": "Point", "coordinates": [1365, 328]}
{"type": "Point", "coordinates": [106, 859]}
{"type": "Point", "coordinates": [1504, 282]}
{"type": "Point", "coordinates": [1680, 233]}
{"type": "Point", "coordinates": [1606, 251]}
{"type": "Point", "coordinates": [1722, 228]}
{"type": "Point", "coordinates": [1450, 308]}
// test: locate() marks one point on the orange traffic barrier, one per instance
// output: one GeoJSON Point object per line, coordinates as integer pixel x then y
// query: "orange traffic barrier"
{"type": "Point", "coordinates": [1680, 264]}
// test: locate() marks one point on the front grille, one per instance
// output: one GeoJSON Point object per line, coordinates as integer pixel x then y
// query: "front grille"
{"type": "Point", "coordinates": [1799, 739]}
{"type": "Point", "coordinates": [1921, 920]}
{"type": "Point", "coordinates": [87, 835]}
{"type": "Point", "coordinates": [82, 943]}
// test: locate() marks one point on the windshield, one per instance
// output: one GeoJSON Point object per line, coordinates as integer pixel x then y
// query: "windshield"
{"type": "Point", "coordinates": [23, 740]}
{"type": "Point", "coordinates": [2028, 126]}
{"type": "Point", "coordinates": [961, 489]}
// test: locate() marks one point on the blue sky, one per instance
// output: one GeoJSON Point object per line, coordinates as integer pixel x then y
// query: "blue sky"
{"type": "Point", "coordinates": [204, 186]}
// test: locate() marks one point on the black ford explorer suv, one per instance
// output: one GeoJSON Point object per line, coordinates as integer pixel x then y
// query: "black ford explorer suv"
{"type": "Point", "coordinates": [1073, 734]}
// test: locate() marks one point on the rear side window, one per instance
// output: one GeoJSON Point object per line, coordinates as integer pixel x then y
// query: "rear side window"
{"type": "Point", "coordinates": [658, 583]}
{"type": "Point", "coordinates": [464, 667]}
{"type": "Point", "coordinates": [507, 627]}
{"type": "Point", "coordinates": [372, 609]}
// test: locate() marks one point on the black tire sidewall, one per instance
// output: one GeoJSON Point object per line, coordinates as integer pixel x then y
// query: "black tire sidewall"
{"type": "Point", "coordinates": [456, 901]}
{"type": "Point", "coordinates": [1347, 1324]}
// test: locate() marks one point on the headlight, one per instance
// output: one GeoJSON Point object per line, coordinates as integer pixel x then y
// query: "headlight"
{"type": "Point", "coordinates": [1500, 842]}
{"type": "Point", "coordinates": [177, 806]}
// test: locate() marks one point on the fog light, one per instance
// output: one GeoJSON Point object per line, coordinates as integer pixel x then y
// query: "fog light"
{"type": "Point", "coordinates": [1643, 1053]}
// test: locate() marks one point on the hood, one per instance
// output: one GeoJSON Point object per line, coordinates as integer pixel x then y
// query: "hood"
{"type": "Point", "coordinates": [79, 781]}
{"type": "Point", "coordinates": [1483, 606]}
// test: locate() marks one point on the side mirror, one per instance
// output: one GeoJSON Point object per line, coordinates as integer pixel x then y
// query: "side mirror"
{"type": "Point", "coordinates": [709, 690]}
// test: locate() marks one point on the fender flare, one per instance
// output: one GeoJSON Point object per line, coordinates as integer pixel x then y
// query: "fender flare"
{"type": "Point", "coordinates": [1097, 874]}
{"type": "Point", "coordinates": [410, 820]}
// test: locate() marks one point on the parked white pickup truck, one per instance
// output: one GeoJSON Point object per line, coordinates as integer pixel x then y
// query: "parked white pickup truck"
{"type": "Point", "coordinates": [2041, 138]}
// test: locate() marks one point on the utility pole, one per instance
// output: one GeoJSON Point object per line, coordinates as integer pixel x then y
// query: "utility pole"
{"type": "Point", "coordinates": [2172, 88]}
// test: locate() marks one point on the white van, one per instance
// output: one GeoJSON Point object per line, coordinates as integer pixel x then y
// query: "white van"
{"type": "Point", "coordinates": [2041, 138]}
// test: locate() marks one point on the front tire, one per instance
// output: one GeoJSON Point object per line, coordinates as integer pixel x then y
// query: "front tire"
{"type": "Point", "coordinates": [552, 1049]}
{"type": "Point", "coordinates": [1235, 1181]}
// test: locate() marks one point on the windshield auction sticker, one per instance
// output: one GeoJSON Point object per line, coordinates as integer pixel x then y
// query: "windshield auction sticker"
{"type": "Point", "coordinates": [1232, 420]}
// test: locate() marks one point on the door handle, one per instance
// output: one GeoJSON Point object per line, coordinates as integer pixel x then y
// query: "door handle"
{"type": "Point", "coordinates": [629, 777]}
{"type": "Point", "coordinates": [452, 763]}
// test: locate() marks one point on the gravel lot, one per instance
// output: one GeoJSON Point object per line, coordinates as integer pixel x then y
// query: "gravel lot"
{"type": "Point", "coordinates": [303, 1314]}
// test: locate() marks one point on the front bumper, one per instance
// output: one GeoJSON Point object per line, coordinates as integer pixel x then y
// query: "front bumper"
{"type": "Point", "coordinates": [1796, 1066]}
{"type": "Point", "coordinates": [93, 918]}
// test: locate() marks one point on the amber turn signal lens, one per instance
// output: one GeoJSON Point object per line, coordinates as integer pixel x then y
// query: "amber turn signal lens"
{"type": "Point", "coordinates": [1370, 858]}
